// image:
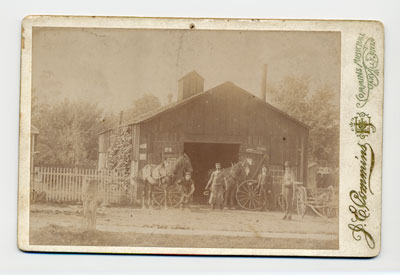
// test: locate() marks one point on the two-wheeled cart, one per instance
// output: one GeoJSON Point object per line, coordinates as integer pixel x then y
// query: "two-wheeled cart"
{"type": "Point", "coordinates": [322, 201]}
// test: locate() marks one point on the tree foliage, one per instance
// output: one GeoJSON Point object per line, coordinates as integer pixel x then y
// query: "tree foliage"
{"type": "Point", "coordinates": [316, 107]}
{"type": "Point", "coordinates": [142, 105]}
{"type": "Point", "coordinates": [68, 133]}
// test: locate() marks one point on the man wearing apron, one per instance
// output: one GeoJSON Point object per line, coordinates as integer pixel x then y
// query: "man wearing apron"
{"type": "Point", "coordinates": [217, 187]}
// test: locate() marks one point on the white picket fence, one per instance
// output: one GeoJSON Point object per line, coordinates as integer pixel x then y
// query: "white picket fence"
{"type": "Point", "coordinates": [66, 184]}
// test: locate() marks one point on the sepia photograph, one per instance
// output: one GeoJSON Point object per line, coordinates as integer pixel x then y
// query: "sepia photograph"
{"type": "Point", "coordinates": [185, 138]}
{"type": "Point", "coordinates": [162, 137]}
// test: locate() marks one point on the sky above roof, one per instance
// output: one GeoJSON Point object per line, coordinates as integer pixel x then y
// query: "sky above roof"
{"type": "Point", "coordinates": [112, 67]}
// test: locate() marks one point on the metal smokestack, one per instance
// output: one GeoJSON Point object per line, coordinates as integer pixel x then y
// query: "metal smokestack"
{"type": "Point", "coordinates": [264, 83]}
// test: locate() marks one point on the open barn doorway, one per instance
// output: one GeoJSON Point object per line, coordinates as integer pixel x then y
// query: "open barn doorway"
{"type": "Point", "coordinates": [203, 157]}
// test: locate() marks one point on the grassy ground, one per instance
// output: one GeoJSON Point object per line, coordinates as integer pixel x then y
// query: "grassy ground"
{"type": "Point", "coordinates": [59, 235]}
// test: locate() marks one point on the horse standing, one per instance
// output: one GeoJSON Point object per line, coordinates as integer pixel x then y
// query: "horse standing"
{"type": "Point", "coordinates": [163, 175]}
{"type": "Point", "coordinates": [238, 171]}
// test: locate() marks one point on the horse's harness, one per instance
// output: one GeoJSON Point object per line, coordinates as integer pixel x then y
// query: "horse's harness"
{"type": "Point", "coordinates": [160, 172]}
{"type": "Point", "coordinates": [233, 173]}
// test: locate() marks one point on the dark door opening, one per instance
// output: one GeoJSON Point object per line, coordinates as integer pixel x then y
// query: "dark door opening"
{"type": "Point", "coordinates": [203, 157]}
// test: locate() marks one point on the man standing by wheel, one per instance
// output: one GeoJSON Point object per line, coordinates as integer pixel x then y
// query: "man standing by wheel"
{"type": "Point", "coordinates": [230, 193]}
{"type": "Point", "coordinates": [187, 187]}
{"type": "Point", "coordinates": [287, 190]}
{"type": "Point", "coordinates": [265, 188]}
{"type": "Point", "coordinates": [217, 187]}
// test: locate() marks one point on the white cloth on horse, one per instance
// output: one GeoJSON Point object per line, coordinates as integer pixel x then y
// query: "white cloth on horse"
{"type": "Point", "coordinates": [158, 172]}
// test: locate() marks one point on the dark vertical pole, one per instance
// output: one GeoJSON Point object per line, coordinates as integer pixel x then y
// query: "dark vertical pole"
{"type": "Point", "coordinates": [305, 160]}
{"type": "Point", "coordinates": [120, 117]}
{"type": "Point", "coordinates": [264, 83]}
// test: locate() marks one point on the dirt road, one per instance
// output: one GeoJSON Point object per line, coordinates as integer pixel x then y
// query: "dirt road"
{"type": "Point", "coordinates": [198, 227]}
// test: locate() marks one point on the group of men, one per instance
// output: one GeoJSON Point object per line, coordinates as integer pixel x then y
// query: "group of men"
{"type": "Point", "coordinates": [219, 188]}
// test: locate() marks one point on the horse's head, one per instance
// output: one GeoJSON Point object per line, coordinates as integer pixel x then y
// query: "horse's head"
{"type": "Point", "coordinates": [187, 164]}
{"type": "Point", "coordinates": [181, 165]}
{"type": "Point", "coordinates": [241, 169]}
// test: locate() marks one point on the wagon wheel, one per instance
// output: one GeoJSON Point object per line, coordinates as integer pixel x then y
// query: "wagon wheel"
{"type": "Point", "coordinates": [330, 208]}
{"type": "Point", "coordinates": [328, 211]}
{"type": "Point", "coordinates": [248, 197]}
{"type": "Point", "coordinates": [324, 208]}
{"type": "Point", "coordinates": [301, 200]}
{"type": "Point", "coordinates": [171, 193]}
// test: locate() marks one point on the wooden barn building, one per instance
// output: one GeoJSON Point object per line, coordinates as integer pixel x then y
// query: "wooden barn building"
{"type": "Point", "coordinates": [223, 124]}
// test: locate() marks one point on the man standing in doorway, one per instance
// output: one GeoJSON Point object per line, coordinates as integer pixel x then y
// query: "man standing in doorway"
{"type": "Point", "coordinates": [217, 187]}
{"type": "Point", "coordinates": [287, 190]}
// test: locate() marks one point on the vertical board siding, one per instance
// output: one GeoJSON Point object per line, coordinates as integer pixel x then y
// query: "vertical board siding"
{"type": "Point", "coordinates": [66, 184]}
{"type": "Point", "coordinates": [220, 116]}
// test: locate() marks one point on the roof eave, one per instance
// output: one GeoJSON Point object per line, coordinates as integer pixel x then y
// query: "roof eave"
{"type": "Point", "coordinates": [196, 96]}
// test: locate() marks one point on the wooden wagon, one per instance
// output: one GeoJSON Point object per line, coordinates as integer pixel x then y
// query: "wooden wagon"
{"type": "Point", "coordinates": [167, 195]}
{"type": "Point", "coordinates": [170, 193]}
{"type": "Point", "coordinates": [247, 193]}
{"type": "Point", "coordinates": [322, 201]}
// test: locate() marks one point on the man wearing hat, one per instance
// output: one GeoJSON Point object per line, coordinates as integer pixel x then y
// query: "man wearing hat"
{"type": "Point", "coordinates": [217, 182]}
{"type": "Point", "coordinates": [265, 187]}
{"type": "Point", "coordinates": [287, 190]}
{"type": "Point", "coordinates": [187, 188]}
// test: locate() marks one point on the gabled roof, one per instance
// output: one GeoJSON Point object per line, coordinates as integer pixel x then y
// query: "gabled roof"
{"type": "Point", "coordinates": [169, 107]}
{"type": "Point", "coordinates": [273, 107]}
{"type": "Point", "coordinates": [194, 73]}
